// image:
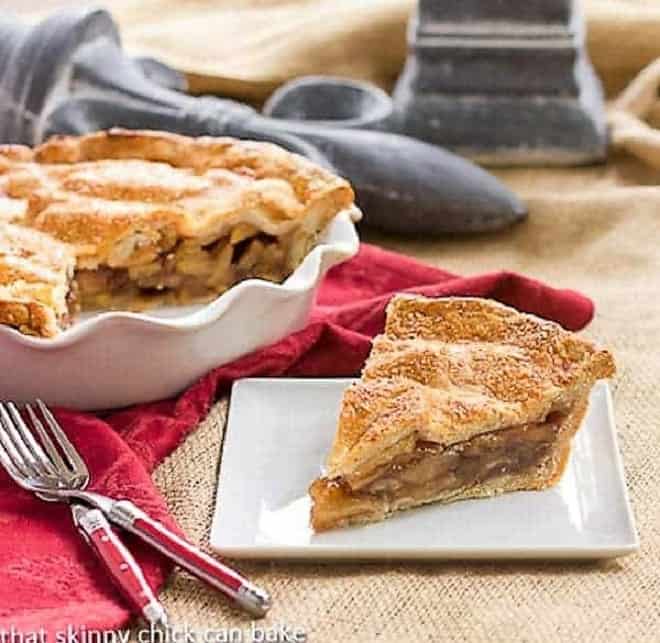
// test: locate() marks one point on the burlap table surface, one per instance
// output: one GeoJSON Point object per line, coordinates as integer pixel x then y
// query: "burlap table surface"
{"type": "Point", "coordinates": [246, 48]}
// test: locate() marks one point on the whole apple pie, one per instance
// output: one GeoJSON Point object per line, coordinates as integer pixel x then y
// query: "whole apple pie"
{"type": "Point", "coordinates": [154, 217]}
{"type": "Point", "coordinates": [460, 398]}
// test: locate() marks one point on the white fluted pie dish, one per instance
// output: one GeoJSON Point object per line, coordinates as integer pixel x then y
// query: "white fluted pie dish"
{"type": "Point", "coordinates": [114, 359]}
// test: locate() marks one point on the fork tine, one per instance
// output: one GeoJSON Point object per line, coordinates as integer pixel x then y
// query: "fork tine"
{"type": "Point", "coordinates": [54, 454]}
{"type": "Point", "coordinates": [29, 440]}
{"type": "Point", "coordinates": [71, 453]}
{"type": "Point", "coordinates": [14, 473]}
{"type": "Point", "coordinates": [11, 450]}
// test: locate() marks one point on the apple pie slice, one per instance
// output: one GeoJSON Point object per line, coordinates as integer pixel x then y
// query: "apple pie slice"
{"type": "Point", "coordinates": [156, 217]}
{"type": "Point", "coordinates": [37, 289]}
{"type": "Point", "coordinates": [460, 398]}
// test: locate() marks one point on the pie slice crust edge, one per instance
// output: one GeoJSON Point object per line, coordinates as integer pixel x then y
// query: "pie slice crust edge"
{"type": "Point", "coordinates": [460, 398]}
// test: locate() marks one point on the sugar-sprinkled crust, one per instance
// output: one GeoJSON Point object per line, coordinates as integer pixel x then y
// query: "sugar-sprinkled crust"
{"type": "Point", "coordinates": [447, 371]}
{"type": "Point", "coordinates": [115, 193]}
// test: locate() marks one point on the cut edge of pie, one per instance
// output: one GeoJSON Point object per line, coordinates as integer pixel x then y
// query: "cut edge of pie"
{"type": "Point", "coordinates": [38, 294]}
{"type": "Point", "coordinates": [336, 504]}
{"type": "Point", "coordinates": [461, 398]}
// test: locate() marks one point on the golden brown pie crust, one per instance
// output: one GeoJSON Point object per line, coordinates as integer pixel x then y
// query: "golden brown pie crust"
{"type": "Point", "coordinates": [36, 274]}
{"type": "Point", "coordinates": [455, 373]}
{"type": "Point", "coordinates": [155, 217]}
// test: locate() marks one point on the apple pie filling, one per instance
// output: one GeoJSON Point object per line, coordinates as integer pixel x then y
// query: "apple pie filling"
{"type": "Point", "coordinates": [72, 303]}
{"type": "Point", "coordinates": [190, 271]}
{"type": "Point", "coordinates": [431, 470]}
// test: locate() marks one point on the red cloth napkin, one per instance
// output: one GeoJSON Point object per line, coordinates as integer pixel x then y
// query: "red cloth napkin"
{"type": "Point", "coordinates": [49, 577]}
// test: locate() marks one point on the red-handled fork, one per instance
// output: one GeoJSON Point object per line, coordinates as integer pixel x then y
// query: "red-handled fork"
{"type": "Point", "coordinates": [18, 446]}
{"type": "Point", "coordinates": [119, 563]}
{"type": "Point", "coordinates": [30, 458]}
{"type": "Point", "coordinates": [127, 515]}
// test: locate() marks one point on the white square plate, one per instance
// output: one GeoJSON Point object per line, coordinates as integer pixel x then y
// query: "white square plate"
{"type": "Point", "coordinates": [280, 430]}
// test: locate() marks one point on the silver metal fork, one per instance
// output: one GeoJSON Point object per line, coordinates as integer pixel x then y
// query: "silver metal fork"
{"type": "Point", "coordinates": [26, 458]}
{"type": "Point", "coordinates": [36, 465]}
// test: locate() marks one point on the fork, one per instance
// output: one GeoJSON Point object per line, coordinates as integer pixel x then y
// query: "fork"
{"type": "Point", "coordinates": [117, 560]}
{"type": "Point", "coordinates": [37, 466]}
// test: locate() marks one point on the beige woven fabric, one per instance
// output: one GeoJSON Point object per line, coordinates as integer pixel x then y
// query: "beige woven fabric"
{"type": "Point", "coordinates": [594, 229]}
{"type": "Point", "coordinates": [635, 115]}
{"type": "Point", "coordinates": [246, 48]}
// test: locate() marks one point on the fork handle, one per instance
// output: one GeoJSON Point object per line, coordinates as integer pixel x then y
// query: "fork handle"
{"type": "Point", "coordinates": [119, 563]}
{"type": "Point", "coordinates": [226, 580]}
